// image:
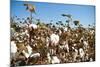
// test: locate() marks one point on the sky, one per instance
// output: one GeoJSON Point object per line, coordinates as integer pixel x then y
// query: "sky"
{"type": "Point", "coordinates": [52, 11]}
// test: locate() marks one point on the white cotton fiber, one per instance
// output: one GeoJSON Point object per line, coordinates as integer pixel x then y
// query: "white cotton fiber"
{"type": "Point", "coordinates": [34, 26]}
{"type": "Point", "coordinates": [13, 47]}
{"type": "Point", "coordinates": [54, 38]}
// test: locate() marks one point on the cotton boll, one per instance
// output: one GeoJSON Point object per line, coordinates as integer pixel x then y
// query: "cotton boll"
{"type": "Point", "coordinates": [75, 54]}
{"type": "Point", "coordinates": [29, 51]}
{"type": "Point", "coordinates": [60, 32]}
{"type": "Point", "coordinates": [54, 39]}
{"type": "Point", "coordinates": [13, 47]}
{"type": "Point", "coordinates": [16, 34]}
{"type": "Point", "coordinates": [85, 44]}
{"type": "Point", "coordinates": [26, 31]}
{"type": "Point", "coordinates": [81, 52]}
{"type": "Point", "coordinates": [76, 51]}
{"type": "Point", "coordinates": [35, 55]}
{"type": "Point", "coordinates": [51, 51]}
{"type": "Point", "coordinates": [32, 40]}
{"type": "Point", "coordinates": [81, 39]}
{"type": "Point", "coordinates": [34, 26]}
{"type": "Point", "coordinates": [47, 41]}
{"type": "Point", "coordinates": [55, 60]}
{"type": "Point", "coordinates": [73, 48]}
{"type": "Point", "coordinates": [65, 29]}
{"type": "Point", "coordinates": [12, 32]}
{"type": "Point", "coordinates": [92, 31]}
{"type": "Point", "coordinates": [26, 54]}
{"type": "Point", "coordinates": [74, 44]}
{"type": "Point", "coordinates": [76, 35]}
{"type": "Point", "coordinates": [28, 35]}
{"type": "Point", "coordinates": [48, 57]}
{"type": "Point", "coordinates": [66, 47]}
{"type": "Point", "coordinates": [91, 59]}
{"type": "Point", "coordinates": [23, 33]}
{"type": "Point", "coordinates": [61, 47]}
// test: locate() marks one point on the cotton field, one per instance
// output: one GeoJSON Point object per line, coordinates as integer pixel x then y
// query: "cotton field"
{"type": "Point", "coordinates": [35, 42]}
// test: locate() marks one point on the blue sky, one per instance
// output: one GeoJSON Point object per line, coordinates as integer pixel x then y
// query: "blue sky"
{"type": "Point", "coordinates": [52, 11]}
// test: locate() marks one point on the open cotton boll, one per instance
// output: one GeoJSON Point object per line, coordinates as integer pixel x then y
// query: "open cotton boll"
{"type": "Point", "coordinates": [35, 55]}
{"type": "Point", "coordinates": [65, 29]}
{"type": "Point", "coordinates": [66, 47]}
{"type": "Point", "coordinates": [28, 35]}
{"type": "Point", "coordinates": [85, 43]}
{"type": "Point", "coordinates": [92, 31]}
{"type": "Point", "coordinates": [26, 32]}
{"type": "Point", "coordinates": [23, 33]}
{"type": "Point", "coordinates": [12, 32]}
{"type": "Point", "coordinates": [75, 54]}
{"type": "Point", "coordinates": [73, 48]}
{"type": "Point", "coordinates": [48, 57]}
{"type": "Point", "coordinates": [55, 60]}
{"type": "Point", "coordinates": [34, 26]}
{"type": "Point", "coordinates": [91, 59]}
{"type": "Point", "coordinates": [76, 35]}
{"type": "Point", "coordinates": [52, 60]}
{"type": "Point", "coordinates": [61, 47]}
{"type": "Point", "coordinates": [76, 50]}
{"type": "Point", "coordinates": [26, 54]}
{"type": "Point", "coordinates": [29, 51]}
{"type": "Point", "coordinates": [81, 52]}
{"type": "Point", "coordinates": [60, 32]}
{"type": "Point", "coordinates": [47, 41]}
{"type": "Point", "coordinates": [54, 38]}
{"type": "Point", "coordinates": [81, 39]}
{"type": "Point", "coordinates": [13, 47]}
